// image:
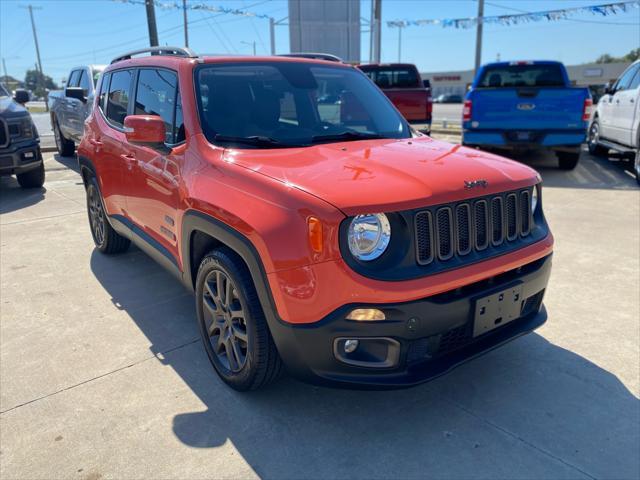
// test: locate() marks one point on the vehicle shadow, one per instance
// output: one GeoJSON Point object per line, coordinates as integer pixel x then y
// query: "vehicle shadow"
{"type": "Point", "coordinates": [591, 173]}
{"type": "Point", "coordinates": [13, 197]}
{"type": "Point", "coordinates": [529, 409]}
{"type": "Point", "coordinates": [70, 163]}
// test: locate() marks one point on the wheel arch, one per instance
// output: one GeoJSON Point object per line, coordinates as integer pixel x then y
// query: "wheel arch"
{"type": "Point", "coordinates": [202, 233]}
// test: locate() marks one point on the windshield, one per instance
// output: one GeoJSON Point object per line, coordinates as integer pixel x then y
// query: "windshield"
{"type": "Point", "coordinates": [546, 75]}
{"type": "Point", "coordinates": [393, 77]}
{"type": "Point", "coordinates": [283, 104]}
{"type": "Point", "coordinates": [3, 92]}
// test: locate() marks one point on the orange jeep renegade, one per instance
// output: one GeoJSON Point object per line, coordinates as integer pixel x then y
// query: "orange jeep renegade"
{"type": "Point", "coordinates": [318, 231]}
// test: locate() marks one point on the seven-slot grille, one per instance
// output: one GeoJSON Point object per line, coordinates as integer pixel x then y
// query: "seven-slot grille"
{"type": "Point", "coordinates": [456, 230]}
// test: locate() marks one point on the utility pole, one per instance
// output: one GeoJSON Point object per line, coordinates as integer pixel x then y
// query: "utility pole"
{"type": "Point", "coordinates": [151, 22]}
{"type": "Point", "coordinates": [479, 34]}
{"type": "Point", "coordinates": [272, 34]}
{"type": "Point", "coordinates": [375, 31]}
{"type": "Point", "coordinates": [251, 44]}
{"type": "Point", "coordinates": [400, 27]}
{"type": "Point", "coordinates": [272, 31]}
{"type": "Point", "coordinates": [184, 18]}
{"type": "Point", "coordinates": [35, 41]}
{"type": "Point", "coordinates": [4, 67]}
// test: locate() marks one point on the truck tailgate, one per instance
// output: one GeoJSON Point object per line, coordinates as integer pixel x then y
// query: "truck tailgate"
{"type": "Point", "coordinates": [547, 108]}
{"type": "Point", "coordinates": [411, 103]}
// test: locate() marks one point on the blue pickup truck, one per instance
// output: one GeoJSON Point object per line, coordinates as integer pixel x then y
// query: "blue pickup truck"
{"type": "Point", "coordinates": [524, 106]}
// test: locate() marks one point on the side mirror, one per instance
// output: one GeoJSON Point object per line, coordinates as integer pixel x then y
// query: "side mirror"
{"type": "Point", "coordinates": [146, 130]}
{"type": "Point", "coordinates": [21, 96]}
{"type": "Point", "coordinates": [75, 92]}
{"type": "Point", "coordinates": [608, 88]}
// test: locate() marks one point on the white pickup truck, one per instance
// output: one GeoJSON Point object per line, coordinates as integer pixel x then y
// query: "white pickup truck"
{"type": "Point", "coordinates": [70, 107]}
{"type": "Point", "coordinates": [616, 123]}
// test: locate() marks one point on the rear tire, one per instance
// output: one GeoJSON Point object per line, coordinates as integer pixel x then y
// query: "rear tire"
{"type": "Point", "coordinates": [65, 147]}
{"type": "Point", "coordinates": [33, 178]}
{"type": "Point", "coordinates": [594, 137]}
{"type": "Point", "coordinates": [568, 160]}
{"type": "Point", "coordinates": [636, 165]}
{"type": "Point", "coordinates": [107, 240]}
{"type": "Point", "coordinates": [232, 324]}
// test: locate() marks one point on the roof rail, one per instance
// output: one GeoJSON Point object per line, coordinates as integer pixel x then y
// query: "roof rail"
{"type": "Point", "coordinates": [176, 51]}
{"type": "Point", "coordinates": [316, 56]}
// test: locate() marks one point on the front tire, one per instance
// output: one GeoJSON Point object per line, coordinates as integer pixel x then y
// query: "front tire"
{"type": "Point", "coordinates": [107, 240]}
{"type": "Point", "coordinates": [636, 165]}
{"type": "Point", "coordinates": [568, 160]}
{"type": "Point", "coordinates": [232, 324]}
{"type": "Point", "coordinates": [33, 178]}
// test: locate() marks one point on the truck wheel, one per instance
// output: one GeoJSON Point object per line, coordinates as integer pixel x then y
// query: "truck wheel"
{"type": "Point", "coordinates": [636, 165]}
{"type": "Point", "coordinates": [33, 178]}
{"type": "Point", "coordinates": [232, 324]}
{"type": "Point", "coordinates": [568, 160]}
{"type": "Point", "coordinates": [594, 136]}
{"type": "Point", "coordinates": [65, 147]}
{"type": "Point", "coordinates": [107, 240]}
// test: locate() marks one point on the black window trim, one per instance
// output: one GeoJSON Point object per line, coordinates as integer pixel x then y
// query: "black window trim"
{"type": "Point", "coordinates": [131, 85]}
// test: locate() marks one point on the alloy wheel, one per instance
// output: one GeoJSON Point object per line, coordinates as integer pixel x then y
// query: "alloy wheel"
{"type": "Point", "coordinates": [96, 216]}
{"type": "Point", "coordinates": [57, 137]}
{"type": "Point", "coordinates": [594, 135]}
{"type": "Point", "coordinates": [225, 321]}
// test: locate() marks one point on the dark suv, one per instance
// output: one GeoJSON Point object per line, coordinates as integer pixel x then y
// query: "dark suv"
{"type": "Point", "coordinates": [19, 141]}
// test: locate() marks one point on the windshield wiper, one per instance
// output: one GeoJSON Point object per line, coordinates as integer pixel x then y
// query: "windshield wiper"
{"type": "Point", "coordinates": [257, 140]}
{"type": "Point", "coordinates": [346, 136]}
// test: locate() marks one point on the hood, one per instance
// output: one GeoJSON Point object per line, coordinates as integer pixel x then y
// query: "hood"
{"type": "Point", "coordinates": [387, 175]}
{"type": "Point", "coordinates": [9, 108]}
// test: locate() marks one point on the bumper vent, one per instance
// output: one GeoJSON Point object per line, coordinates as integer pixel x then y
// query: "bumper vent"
{"type": "Point", "coordinates": [458, 230]}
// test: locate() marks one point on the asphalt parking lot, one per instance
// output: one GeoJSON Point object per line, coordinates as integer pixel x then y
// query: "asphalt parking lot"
{"type": "Point", "coordinates": [102, 374]}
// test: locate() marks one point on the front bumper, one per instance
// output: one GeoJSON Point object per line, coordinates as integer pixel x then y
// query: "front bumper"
{"type": "Point", "coordinates": [424, 338]}
{"type": "Point", "coordinates": [20, 157]}
{"type": "Point", "coordinates": [523, 139]}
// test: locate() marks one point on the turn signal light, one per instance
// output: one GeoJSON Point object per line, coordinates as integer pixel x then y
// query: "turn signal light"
{"type": "Point", "coordinates": [315, 234]}
{"type": "Point", "coordinates": [366, 315]}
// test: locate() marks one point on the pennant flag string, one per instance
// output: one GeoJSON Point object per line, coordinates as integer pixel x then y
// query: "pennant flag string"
{"type": "Point", "coordinates": [518, 18]}
{"type": "Point", "coordinates": [198, 6]}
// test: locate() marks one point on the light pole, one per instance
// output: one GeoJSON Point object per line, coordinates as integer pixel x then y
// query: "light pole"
{"type": "Point", "coordinates": [479, 34]}
{"type": "Point", "coordinates": [400, 27]}
{"type": "Point", "coordinates": [251, 44]}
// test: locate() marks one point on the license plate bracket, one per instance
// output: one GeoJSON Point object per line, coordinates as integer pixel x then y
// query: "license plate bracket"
{"type": "Point", "coordinates": [495, 310]}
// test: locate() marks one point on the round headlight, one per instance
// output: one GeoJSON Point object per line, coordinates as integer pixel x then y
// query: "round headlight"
{"type": "Point", "coordinates": [534, 199]}
{"type": "Point", "coordinates": [369, 236]}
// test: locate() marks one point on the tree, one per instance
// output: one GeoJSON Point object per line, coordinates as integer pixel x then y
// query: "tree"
{"type": "Point", "coordinates": [632, 56]}
{"type": "Point", "coordinates": [38, 83]}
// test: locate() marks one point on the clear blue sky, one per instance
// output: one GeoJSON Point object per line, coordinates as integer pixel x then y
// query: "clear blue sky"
{"type": "Point", "coordinates": [74, 32]}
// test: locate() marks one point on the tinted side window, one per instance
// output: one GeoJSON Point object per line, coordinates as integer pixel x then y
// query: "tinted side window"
{"type": "Point", "coordinates": [104, 87]}
{"type": "Point", "coordinates": [118, 97]}
{"type": "Point", "coordinates": [635, 83]}
{"type": "Point", "coordinates": [624, 83]}
{"type": "Point", "coordinates": [85, 83]}
{"type": "Point", "coordinates": [156, 95]}
{"type": "Point", "coordinates": [73, 79]}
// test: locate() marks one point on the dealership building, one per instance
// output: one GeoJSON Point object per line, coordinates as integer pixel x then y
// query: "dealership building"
{"type": "Point", "coordinates": [587, 75]}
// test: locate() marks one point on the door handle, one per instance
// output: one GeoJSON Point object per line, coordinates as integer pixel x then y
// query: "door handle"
{"type": "Point", "coordinates": [95, 143]}
{"type": "Point", "coordinates": [129, 159]}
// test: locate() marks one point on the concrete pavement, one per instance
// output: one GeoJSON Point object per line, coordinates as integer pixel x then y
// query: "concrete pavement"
{"type": "Point", "coordinates": [102, 374]}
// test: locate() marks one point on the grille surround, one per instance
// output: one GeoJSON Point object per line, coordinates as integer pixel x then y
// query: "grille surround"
{"type": "Point", "coordinates": [489, 223]}
{"type": "Point", "coordinates": [5, 138]}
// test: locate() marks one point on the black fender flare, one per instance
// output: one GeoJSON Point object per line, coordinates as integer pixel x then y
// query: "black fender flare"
{"type": "Point", "coordinates": [194, 220]}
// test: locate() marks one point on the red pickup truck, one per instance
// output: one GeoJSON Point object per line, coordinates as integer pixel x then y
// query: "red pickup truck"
{"type": "Point", "coordinates": [401, 82]}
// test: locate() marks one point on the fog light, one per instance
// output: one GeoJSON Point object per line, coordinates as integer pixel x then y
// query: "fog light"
{"type": "Point", "coordinates": [351, 345]}
{"type": "Point", "coordinates": [28, 154]}
{"type": "Point", "coordinates": [366, 315]}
